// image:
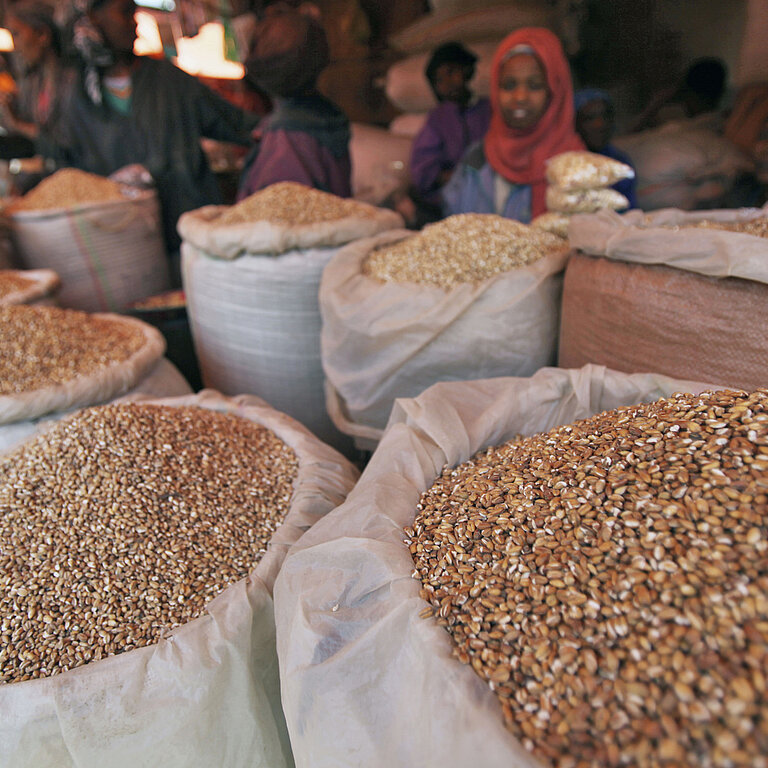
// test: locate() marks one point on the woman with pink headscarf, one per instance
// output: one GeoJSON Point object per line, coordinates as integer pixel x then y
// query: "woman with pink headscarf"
{"type": "Point", "coordinates": [531, 120]}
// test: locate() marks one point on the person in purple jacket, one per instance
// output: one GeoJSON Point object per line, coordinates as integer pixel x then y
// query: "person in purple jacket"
{"type": "Point", "coordinates": [459, 120]}
{"type": "Point", "coordinates": [306, 137]}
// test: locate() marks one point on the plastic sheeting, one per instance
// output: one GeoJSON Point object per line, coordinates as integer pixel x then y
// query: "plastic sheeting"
{"type": "Point", "coordinates": [364, 680]}
{"type": "Point", "coordinates": [381, 341]}
{"type": "Point", "coordinates": [208, 694]}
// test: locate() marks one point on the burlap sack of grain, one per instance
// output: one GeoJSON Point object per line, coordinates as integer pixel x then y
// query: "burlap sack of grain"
{"type": "Point", "coordinates": [208, 695]}
{"type": "Point", "coordinates": [255, 319]}
{"type": "Point", "coordinates": [686, 301]}
{"type": "Point", "coordinates": [359, 668]}
{"type": "Point", "coordinates": [107, 255]}
{"type": "Point", "coordinates": [381, 341]}
{"type": "Point", "coordinates": [407, 86]}
{"type": "Point", "coordinates": [683, 165]}
{"type": "Point", "coordinates": [145, 372]}
{"type": "Point", "coordinates": [29, 286]}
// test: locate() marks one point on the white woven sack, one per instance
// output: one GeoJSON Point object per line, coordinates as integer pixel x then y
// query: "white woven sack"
{"type": "Point", "coordinates": [409, 125]}
{"type": "Point", "coordinates": [255, 323]}
{"type": "Point", "coordinates": [406, 83]}
{"type": "Point", "coordinates": [381, 167]}
{"type": "Point", "coordinates": [43, 285]}
{"type": "Point", "coordinates": [666, 237]}
{"type": "Point", "coordinates": [202, 229]}
{"type": "Point", "coordinates": [108, 382]}
{"type": "Point", "coordinates": [208, 695]}
{"type": "Point", "coordinates": [381, 341]}
{"type": "Point", "coordinates": [163, 380]}
{"type": "Point", "coordinates": [107, 255]}
{"type": "Point", "coordinates": [358, 666]}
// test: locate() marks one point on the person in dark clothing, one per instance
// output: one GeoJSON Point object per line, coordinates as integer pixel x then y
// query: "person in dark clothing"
{"type": "Point", "coordinates": [128, 110]}
{"type": "Point", "coordinates": [595, 123]}
{"type": "Point", "coordinates": [306, 137]}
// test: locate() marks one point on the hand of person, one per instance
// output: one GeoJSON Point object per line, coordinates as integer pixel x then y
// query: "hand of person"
{"type": "Point", "coordinates": [133, 175]}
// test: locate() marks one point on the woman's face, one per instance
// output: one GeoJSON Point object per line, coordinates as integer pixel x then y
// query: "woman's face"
{"type": "Point", "coordinates": [523, 92]}
{"type": "Point", "coordinates": [29, 43]}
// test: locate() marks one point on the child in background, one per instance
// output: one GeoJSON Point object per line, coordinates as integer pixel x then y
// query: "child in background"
{"type": "Point", "coordinates": [459, 120]}
{"type": "Point", "coordinates": [306, 137]}
{"type": "Point", "coordinates": [531, 121]}
{"type": "Point", "coordinates": [595, 124]}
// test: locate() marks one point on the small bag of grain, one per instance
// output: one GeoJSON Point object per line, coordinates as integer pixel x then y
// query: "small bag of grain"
{"type": "Point", "coordinates": [139, 625]}
{"type": "Point", "coordinates": [688, 291]}
{"type": "Point", "coordinates": [251, 274]}
{"type": "Point", "coordinates": [29, 286]}
{"type": "Point", "coordinates": [604, 595]}
{"type": "Point", "coordinates": [102, 238]}
{"type": "Point", "coordinates": [553, 222]}
{"type": "Point", "coordinates": [53, 360]}
{"type": "Point", "coordinates": [474, 295]}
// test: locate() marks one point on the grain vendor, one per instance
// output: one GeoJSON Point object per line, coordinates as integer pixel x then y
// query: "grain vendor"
{"type": "Point", "coordinates": [306, 137]}
{"type": "Point", "coordinates": [531, 121]}
{"type": "Point", "coordinates": [129, 110]}
{"type": "Point", "coordinates": [459, 120]}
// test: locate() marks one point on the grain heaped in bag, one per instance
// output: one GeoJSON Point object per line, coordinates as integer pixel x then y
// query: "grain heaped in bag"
{"type": "Point", "coordinates": [53, 360]}
{"type": "Point", "coordinates": [674, 293]}
{"type": "Point", "coordinates": [251, 274]}
{"type": "Point", "coordinates": [362, 657]}
{"type": "Point", "coordinates": [148, 635]}
{"type": "Point", "coordinates": [29, 286]}
{"type": "Point", "coordinates": [103, 239]}
{"type": "Point", "coordinates": [472, 296]}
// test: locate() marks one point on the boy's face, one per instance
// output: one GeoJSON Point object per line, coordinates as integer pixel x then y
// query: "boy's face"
{"type": "Point", "coordinates": [450, 83]}
{"type": "Point", "coordinates": [117, 22]}
{"type": "Point", "coordinates": [595, 123]}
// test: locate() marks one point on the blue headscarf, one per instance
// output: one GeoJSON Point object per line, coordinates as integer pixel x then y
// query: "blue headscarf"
{"type": "Point", "coordinates": [91, 47]}
{"type": "Point", "coordinates": [585, 95]}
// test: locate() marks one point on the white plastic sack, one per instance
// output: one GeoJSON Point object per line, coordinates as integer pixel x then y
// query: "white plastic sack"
{"type": "Point", "coordinates": [380, 166]}
{"type": "Point", "coordinates": [407, 86]}
{"type": "Point", "coordinates": [108, 382]}
{"type": "Point", "coordinates": [409, 125]}
{"type": "Point", "coordinates": [107, 255]}
{"type": "Point", "coordinates": [666, 237]}
{"type": "Point", "coordinates": [208, 695]}
{"type": "Point", "coordinates": [163, 380]}
{"type": "Point", "coordinates": [381, 341]}
{"type": "Point", "coordinates": [41, 289]}
{"type": "Point", "coordinates": [683, 165]}
{"type": "Point", "coordinates": [359, 668]}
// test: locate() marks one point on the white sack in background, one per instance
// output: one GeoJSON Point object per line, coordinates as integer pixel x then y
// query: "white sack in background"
{"type": "Point", "coordinates": [365, 681]}
{"type": "Point", "coordinates": [408, 125]}
{"type": "Point", "coordinates": [381, 341]}
{"type": "Point", "coordinates": [208, 695]}
{"type": "Point", "coordinates": [381, 167]}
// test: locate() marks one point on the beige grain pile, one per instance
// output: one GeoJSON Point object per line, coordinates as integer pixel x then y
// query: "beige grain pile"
{"type": "Point", "coordinates": [44, 346]}
{"type": "Point", "coordinates": [67, 188]}
{"type": "Point", "coordinates": [12, 281]}
{"type": "Point", "coordinates": [466, 248]}
{"type": "Point", "coordinates": [123, 522]}
{"type": "Point", "coordinates": [609, 580]}
{"type": "Point", "coordinates": [291, 203]}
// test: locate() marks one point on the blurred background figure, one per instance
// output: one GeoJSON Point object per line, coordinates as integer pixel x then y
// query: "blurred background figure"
{"type": "Point", "coordinates": [459, 120]}
{"type": "Point", "coordinates": [700, 91]}
{"type": "Point", "coordinates": [306, 137]}
{"type": "Point", "coordinates": [596, 124]}
{"type": "Point", "coordinates": [42, 80]}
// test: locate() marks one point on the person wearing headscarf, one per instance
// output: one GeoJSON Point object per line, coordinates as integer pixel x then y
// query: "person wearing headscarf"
{"type": "Point", "coordinates": [531, 121]}
{"type": "Point", "coordinates": [306, 137]}
{"type": "Point", "coordinates": [41, 76]}
{"type": "Point", "coordinates": [459, 120]}
{"type": "Point", "coordinates": [128, 110]}
{"type": "Point", "coordinates": [595, 123]}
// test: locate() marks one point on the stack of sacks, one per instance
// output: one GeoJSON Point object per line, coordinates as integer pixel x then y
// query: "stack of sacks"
{"type": "Point", "coordinates": [53, 360]}
{"type": "Point", "coordinates": [685, 294]}
{"type": "Point", "coordinates": [472, 295]}
{"type": "Point", "coordinates": [103, 239]}
{"type": "Point", "coordinates": [251, 274]}
{"type": "Point", "coordinates": [140, 545]}
{"type": "Point", "coordinates": [577, 604]}
{"type": "Point", "coordinates": [579, 182]}
{"type": "Point", "coordinates": [31, 286]}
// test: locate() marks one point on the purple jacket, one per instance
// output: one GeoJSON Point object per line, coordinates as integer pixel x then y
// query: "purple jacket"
{"type": "Point", "coordinates": [442, 142]}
